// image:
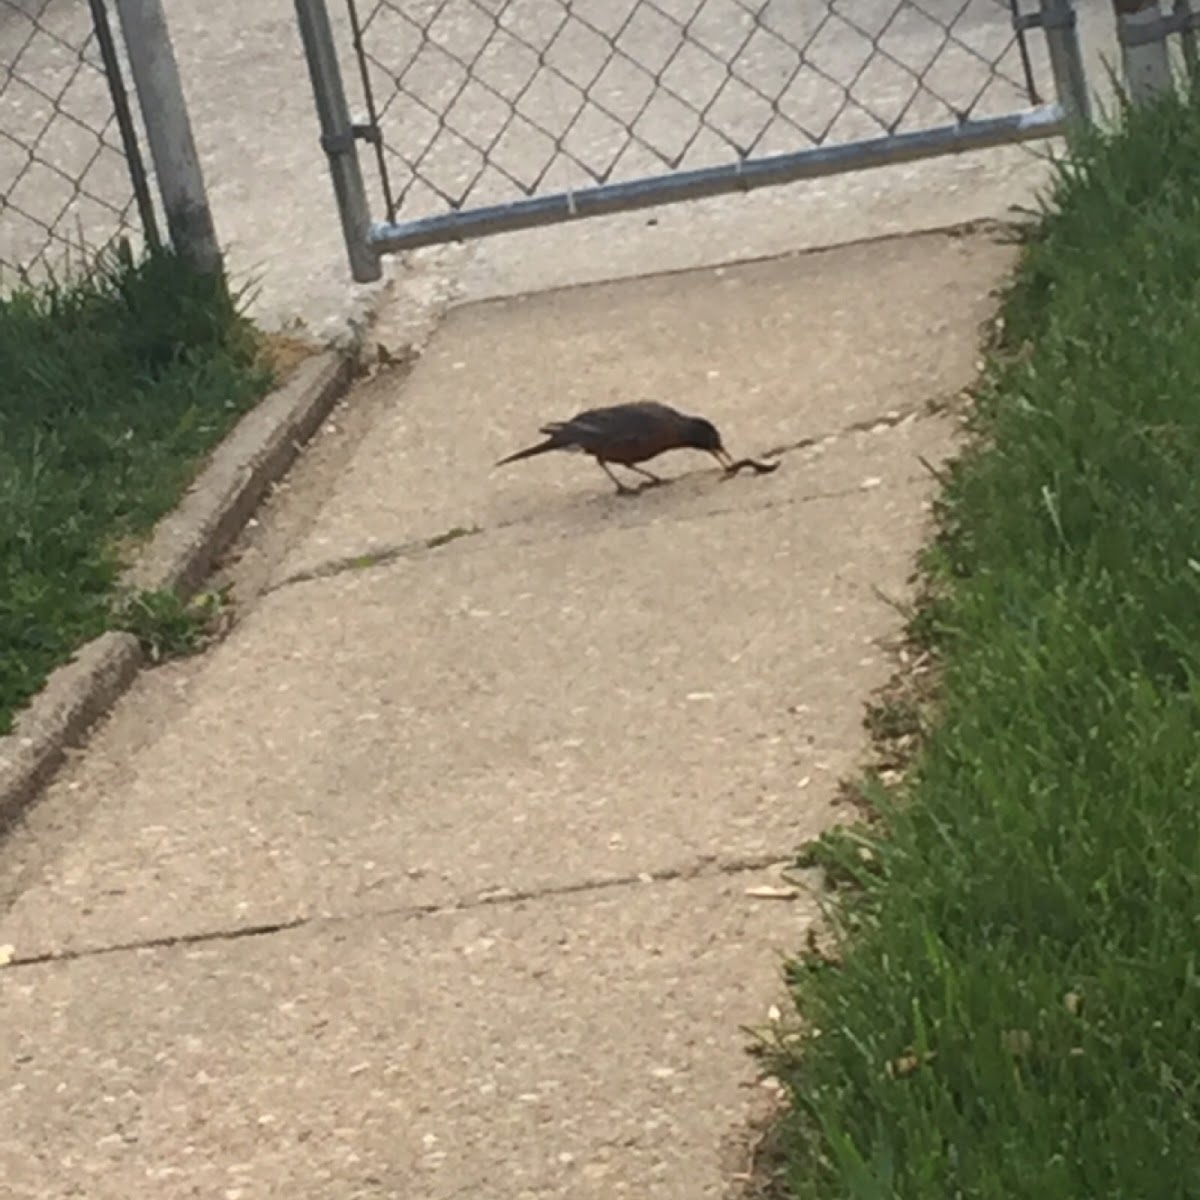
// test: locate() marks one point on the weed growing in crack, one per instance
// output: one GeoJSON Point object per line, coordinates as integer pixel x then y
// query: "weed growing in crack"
{"type": "Point", "coordinates": [168, 627]}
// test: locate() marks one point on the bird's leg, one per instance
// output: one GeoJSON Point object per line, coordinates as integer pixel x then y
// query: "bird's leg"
{"type": "Point", "coordinates": [622, 488]}
{"type": "Point", "coordinates": [655, 480]}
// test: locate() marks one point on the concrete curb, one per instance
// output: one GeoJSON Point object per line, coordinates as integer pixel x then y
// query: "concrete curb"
{"type": "Point", "coordinates": [180, 554]}
{"type": "Point", "coordinates": [259, 450]}
{"type": "Point", "coordinates": [74, 698]}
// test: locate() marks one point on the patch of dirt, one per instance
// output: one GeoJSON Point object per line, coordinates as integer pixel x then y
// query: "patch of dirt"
{"type": "Point", "coordinates": [284, 352]}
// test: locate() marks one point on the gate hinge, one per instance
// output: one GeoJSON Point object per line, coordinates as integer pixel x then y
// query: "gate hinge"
{"type": "Point", "coordinates": [343, 143]}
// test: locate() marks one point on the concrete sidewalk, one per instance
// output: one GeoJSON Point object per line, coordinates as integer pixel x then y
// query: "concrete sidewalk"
{"type": "Point", "coordinates": [431, 880]}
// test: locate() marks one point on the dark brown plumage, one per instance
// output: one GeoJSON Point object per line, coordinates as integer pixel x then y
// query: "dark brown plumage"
{"type": "Point", "coordinates": [628, 434]}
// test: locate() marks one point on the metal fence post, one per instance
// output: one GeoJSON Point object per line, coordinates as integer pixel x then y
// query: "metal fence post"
{"type": "Point", "coordinates": [169, 132]}
{"type": "Point", "coordinates": [1061, 27]}
{"type": "Point", "coordinates": [1145, 57]}
{"type": "Point", "coordinates": [338, 138]}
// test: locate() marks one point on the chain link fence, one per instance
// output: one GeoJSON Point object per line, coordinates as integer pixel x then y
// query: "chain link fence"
{"type": "Point", "coordinates": [71, 174]}
{"type": "Point", "coordinates": [479, 102]}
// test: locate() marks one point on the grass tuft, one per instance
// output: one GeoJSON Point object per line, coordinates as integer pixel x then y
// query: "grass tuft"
{"type": "Point", "coordinates": [167, 626]}
{"type": "Point", "coordinates": [116, 383]}
{"type": "Point", "coordinates": [1014, 1007]}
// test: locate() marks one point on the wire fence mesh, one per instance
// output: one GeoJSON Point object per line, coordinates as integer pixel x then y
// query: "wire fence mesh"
{"type": "Point", "coordinates": [484, 101]}
{"type": "Point", "coordinates": [65, 182]}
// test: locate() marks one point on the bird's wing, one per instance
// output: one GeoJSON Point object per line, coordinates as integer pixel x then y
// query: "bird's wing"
{"type": "Point", "coordinates": [642, 422]}
{"type": "Point", "coordinates": [594, 422]}
{"type": "Point", "coordinates": [621, 420]}
{"type": "Point", "coordinates": [656, 410]}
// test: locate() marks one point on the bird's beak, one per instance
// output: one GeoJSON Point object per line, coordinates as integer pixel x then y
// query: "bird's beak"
{"type": "Point", "coordinates": [723, 457]}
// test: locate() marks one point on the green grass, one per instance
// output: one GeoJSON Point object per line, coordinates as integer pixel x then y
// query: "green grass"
{"type": "Point", "coordinates": [114, 385]}
{"type": "Point", "coordinates": [1016, 1012]}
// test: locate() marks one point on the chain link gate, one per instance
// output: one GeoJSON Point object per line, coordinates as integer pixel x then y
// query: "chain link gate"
{"type": "Point", "coordinates": [486, 116]}
{"type": "Point", "coordinates": [72, 177]}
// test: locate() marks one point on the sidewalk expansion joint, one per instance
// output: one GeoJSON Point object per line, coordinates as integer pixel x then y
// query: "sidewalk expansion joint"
{"type": "Point", "coordinates": [708, 867]}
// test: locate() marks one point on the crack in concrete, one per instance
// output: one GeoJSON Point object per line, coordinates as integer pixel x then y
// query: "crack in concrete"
{"type": "Point", "coordinates": [413, 548]}
{"type": "Point", "coordinates": [709, 866]}
{"type": "Point", "coordinates": [416, 548]}
{"type": "Point", "coordinates": [888, 420]}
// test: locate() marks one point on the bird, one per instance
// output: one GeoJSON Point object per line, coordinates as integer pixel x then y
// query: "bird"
{"type": "Point", "coordinates": [628, 434]}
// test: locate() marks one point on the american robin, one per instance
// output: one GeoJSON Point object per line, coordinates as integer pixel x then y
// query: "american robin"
{"type": "Point", "coordinates": [628, 434]}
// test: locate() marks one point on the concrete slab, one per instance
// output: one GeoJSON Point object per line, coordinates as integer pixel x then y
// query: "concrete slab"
{"type": "Point", "coordinates": [635, 690]}
{"type": "Point", "coordinates": [773, 352]}
{"type": "Point", "coordinates": [585, 1048]}
{"type": "Point", "coordinates": [413, 813]}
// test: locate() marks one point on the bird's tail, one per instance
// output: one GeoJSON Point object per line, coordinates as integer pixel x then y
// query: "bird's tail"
{"type": "Point", "coordinates": [551, 443]}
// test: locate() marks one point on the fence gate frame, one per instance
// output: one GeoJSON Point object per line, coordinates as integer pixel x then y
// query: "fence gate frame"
{"type": "Point", "coordinates": [115, 80]}
{"type": "Point", "coordinates": [368, 240]}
